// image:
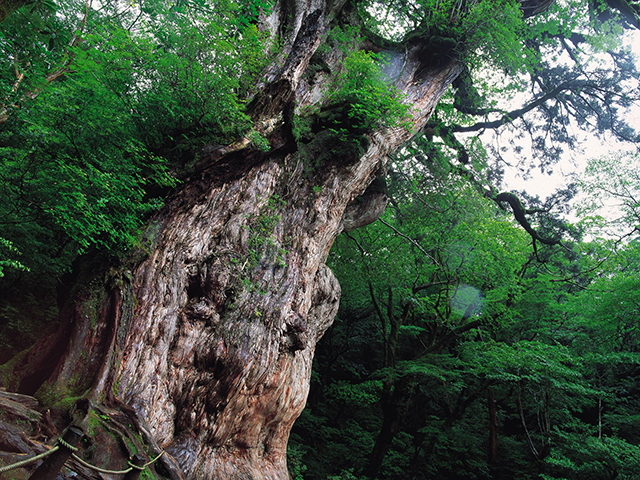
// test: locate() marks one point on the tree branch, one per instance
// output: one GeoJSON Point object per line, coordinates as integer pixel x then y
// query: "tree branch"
{"type": "Point", "coordinates": [411, 240]}
{"type": "Point", "coordinates": [520, 213]}
{"type": "Point", "coordinates": [513, 115]}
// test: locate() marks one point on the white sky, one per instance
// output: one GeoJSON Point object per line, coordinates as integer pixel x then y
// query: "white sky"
{"type": "Point", "coordinates": [544, 185]}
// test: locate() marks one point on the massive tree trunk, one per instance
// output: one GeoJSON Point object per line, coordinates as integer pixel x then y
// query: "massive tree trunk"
{"type": "Point", "coordinates": [208, 338]}
{"type": "Point", "coordinates": [204, 338]}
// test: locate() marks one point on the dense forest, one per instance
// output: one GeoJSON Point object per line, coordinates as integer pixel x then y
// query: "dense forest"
{"type": "Point", "coordinates": [271, 239]}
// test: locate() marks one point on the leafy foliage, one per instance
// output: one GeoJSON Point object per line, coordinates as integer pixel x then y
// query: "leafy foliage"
{"type": "Point", "coordinates": [102, 111]}
{"type": "Point", "coordinates": [554, 346]}
{"type": "Point", "coordinates": [478, 30]}
{"type": "Point", "coordinates": [452, 330]}
{"type": "Point", "coordinates": [611, 187]}
{"type": "Point", "coordinates": [9, 263]}
{"type": "Point", "coordinates": [133, 90]}
{"type": "Point", "coordinates": [371, 103]}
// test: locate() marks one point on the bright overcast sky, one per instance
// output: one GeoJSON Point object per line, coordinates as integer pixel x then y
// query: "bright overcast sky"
{"type": "Point", "coordinates": [544, 185]}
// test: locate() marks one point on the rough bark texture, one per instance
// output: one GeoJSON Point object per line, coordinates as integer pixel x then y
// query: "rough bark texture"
{"type": "Point", "coordinates": [218, 368]}
{"type": "Point", "coordinates": [208, 341]}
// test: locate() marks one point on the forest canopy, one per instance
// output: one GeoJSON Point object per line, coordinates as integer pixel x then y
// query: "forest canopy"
{"type": "Point", "coordinates": [493, 358]}
{"type": "Point", "coordinates": [102, 106]}
{"type": "Point", "coordinates": [161, 79]}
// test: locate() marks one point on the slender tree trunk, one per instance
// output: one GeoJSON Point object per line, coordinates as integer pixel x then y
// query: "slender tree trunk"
{"type": "Point", "coordinates": [392, 416]}
{"type": "Point", "coordinates": [493, 428]}
{"type": "Point", "coordinates": [208, 338]}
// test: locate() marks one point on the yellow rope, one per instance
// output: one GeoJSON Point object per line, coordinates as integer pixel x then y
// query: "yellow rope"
{"type": "Point", "coordinates": [153, 460]}
{"type": "Point", "coordinates": [98, 469]}
{"type": "Point", "coordinates": [64, 443]}
{"type": "Point", "coordinates": [60, 441]}
{"type": "Point", "coordinates": [115, 472]}
{"type": "Point", "coordinates": [22, 463]}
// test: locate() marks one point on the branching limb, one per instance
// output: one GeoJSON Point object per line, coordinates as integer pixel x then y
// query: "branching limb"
{"type": "Point", "coordinates": [411, 240]}
{"type": "Point", "coordinates": [520, 213]}
{"type": "Point", "coordinates": [509, 117]}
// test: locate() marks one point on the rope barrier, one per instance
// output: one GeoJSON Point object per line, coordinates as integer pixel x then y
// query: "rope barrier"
{"type": "Point", "coordinates": [115, 472]}
{"type": "Point", "coordinates": [27, 461]}
{"type": "Point", "coordinates": [61, 442]}
{"type": "Point", "coordinates": [153, 460]}
{"type": "Point", "coordinates": [98, 469]}
{"type": "Point", "coordinates": [64, 443]}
